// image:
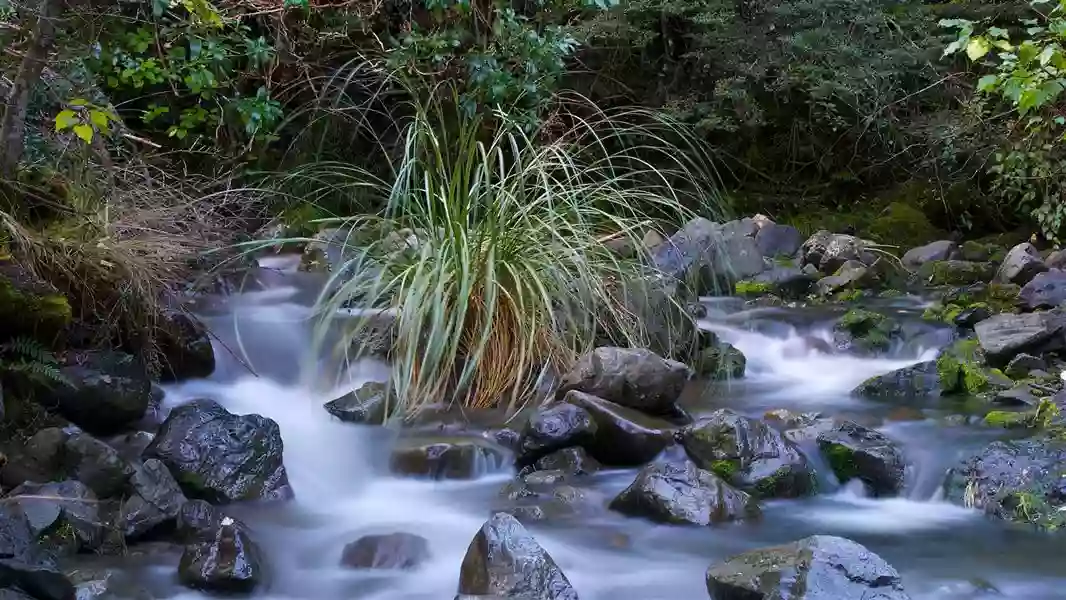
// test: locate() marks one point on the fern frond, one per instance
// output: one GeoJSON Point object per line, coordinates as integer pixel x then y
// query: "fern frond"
{"type": "Point", "coordinates": [29, 349]}
{"type": "Point", "coordinates": [36, 371]}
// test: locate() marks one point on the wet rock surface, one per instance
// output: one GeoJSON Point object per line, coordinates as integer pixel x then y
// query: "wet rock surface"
{"type": "Point", "coordinates": [634, 378]}
{"type": "Point", "coordinates": [368, 404]}
{"type": "Point", "coordinates": [624, 437]}
{"type": "Point", "coordinates": [110, 391]}
{"type": "Point", "coordinates": [505, 561]}
{"type": "Point", "coordinates": [1004, 336]}
{"type": "Point", "coordinates": [221, 457]}
{"type": "Point", "coordinates": [458, 458]}
{"type": "Point", "coordinates": [1046, 290]}
{"type": "Point", "coordinates": [228, 563]}
{"type": "Point", "coordinates": [68, 512]}
{"type": "Point", "coordinates": [388, 551]}
{"type": "Point", "coordinates": [96, 464]}
{"type": "Point", "coordinates": [185, 346]}
{"type": "Point", "coordinates": [819, 567]}
{"type": "Point", "coordinates": [749, 454]}
{"type": "Point", "coordinates": [681, 493]}
{"type": "Point", "coordinates": [919, 380]}
{"type": "Point", "coordinates": [829, 251]}
{"type": "Point", "coordinates": [856, 452]}
{"type": "Point", "coordinates": [1021, 265]}
{"type": "Point", "coordinates": [155, 502]}
{"type": "Point", "coordinates": [555, 427]}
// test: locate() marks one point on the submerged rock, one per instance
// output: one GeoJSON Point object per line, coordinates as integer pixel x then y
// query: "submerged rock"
{"type": "Point", "coordinates": [1046, 290]}
{"type": "Point", "coordinates": [218, 456]}
{"type": "Point", "coordinates": [155, 502]}
{"type": "Point", "coordinates": [447, 459]}
{"type": "Point", "coordinates": [749, 454]}
{"type": "Point", "coordinates": [829, 251]}
{"type": "Point", "coordinates": [110, 391]}
{"type": "Point", "coordinates": [631, 377]}
{"type": "Point", "coordinates": [368, 404]}
{"type": "Point", "coordinates": [571, 461]}
{"type": "Point", "coordinates": [389, 551]}
{"type": "Point", "coordinates": [915, 381]}
{"type": "Point", "coordinates": [681, 493]}
{"type": "Point", "coordinates": [933, 251]}
{"type": "Point", "coordinates": [1023, 481]}
{"type": "Point", "coordinates": [504, 561]}
{"type": "Point", "coordinates": [855, 452]}
{"type": "Point", "coordinates": [624, 437]}
{"type": "Point", "coordinates": [1021, 265]}
{"type": "Point", "coordinates": [552, 428]}
{"type": "Point", "coordinates": [229, 563]}
{"type": "Point", "coordinates": [819, 567]}
{"type": "Point", "coordinates": [865, 332]}
{"type": "Point", "coordinates": [1004, 336]}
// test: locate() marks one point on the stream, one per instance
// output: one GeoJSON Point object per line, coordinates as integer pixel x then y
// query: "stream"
{"type": "Point", "coordinates": [344, 490]}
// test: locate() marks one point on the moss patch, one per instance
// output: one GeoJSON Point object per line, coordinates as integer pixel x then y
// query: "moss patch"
{"type": "Point", "coordinates": [752, 288]}
{"type": "Point", "coordinates": [902, 225]}
{"type": "Point", "coordinates": [726, 469]}
{"type": "Point", "coordinates": [955, 272]}
{"type": "Point", "coordinates": [28, 308]}
{"type": "Point", "coordinates": [867, 330]}
{"type": "Point", "coordinates": [962, 370]}
{"type": "Point", "coordinates": [842, 461]}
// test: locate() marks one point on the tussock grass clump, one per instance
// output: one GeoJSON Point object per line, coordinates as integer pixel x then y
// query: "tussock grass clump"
{"type": "Point", "coordinates": [491, 248]}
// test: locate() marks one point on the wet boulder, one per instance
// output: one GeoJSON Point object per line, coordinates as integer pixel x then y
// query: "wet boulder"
{"type": "Point", "coordinates": [819, 567]}
{"type": "Point", "coordinates": [45, 449]}
{"type": "Point", "coordinates": [955, 272]}
{"type": "Point", "coordinates": [1004, 336]}
{"type": "Point", "coordinates": [933, 251]}
{"type": "Point", "coordinates": [780, 279]}
{"type": "Point", "coordinates": [775, 240]}
{"type": "Point", "coordinates": [1046, 290]}
{"type": "Point", "coordinates": [962, 368]}
{"type": "Point", "coordinates": [720, 360]}
{"type": "Point", "coordinates": [24, 565]}
{"type": "Point", "coordinates": [749, 454]}
{"type": "Point", "coordinates": [1020, 480]}
{"type": "Point", "coordinates": [450, 458]}
{"type": "Point", "coordinates": [852, 275]}
{"type": "Point", "coordinates": [228, 563]}
{"type": "Point", "coordinates": [856, 452]}
{"type": "Point", "coordinates": [632, 377]}
{"type": "Point", "coordinates": [829, 251]}
{"type": "Point", "coordinates": [96, 464]}
{"type": "Point", "coordinates": [368, 404]}
{"type": "Point", "coordinates": [67, 514]}
{"type": "Point", "coordinates": [1021, 265]}
{"type": "Point", "coordinates": [1021, 365]}
{"type": "Point", "coordinates": [705, 254]}
{"type": "Point", "coordinates": [155, 502]}
{"type": "Point", "coordinates": [865, 332]}
{"type": "Point", "coordinates": [197, 521]}
{"type": "Point", "coordinates": [109, 392]}
{"type": "Point", "coordinates": [915, 381]}
{"type": "Point", "coordinates": [106, 584]}
{"type": "Point", "coordinates": [572, 461]}
{"type": "Point", "coordinates": [221, 457]}
{"type": "Point", "coordinates": [624, 437]}
{"type": "Point", "coordinates": [681, 493]}
{"type": "Point", "coordinates": [554, 427]}
{"type": "Point", "coordinates": [184, 346]}
{"type": "Point", "coordinates": [388, 551]}
{"type": "Point", "coordinates": [504, 561]}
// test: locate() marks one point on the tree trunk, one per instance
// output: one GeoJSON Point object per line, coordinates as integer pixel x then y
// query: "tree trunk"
{"type": "Point", "coordinates": [13, 126]}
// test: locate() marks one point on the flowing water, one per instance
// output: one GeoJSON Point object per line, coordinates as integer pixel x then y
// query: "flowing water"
{"type": "Point", "coordinates": [344, 490]}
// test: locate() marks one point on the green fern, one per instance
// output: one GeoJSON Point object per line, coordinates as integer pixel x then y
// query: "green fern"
{"type": "Point", "coordinates": [28, 359]}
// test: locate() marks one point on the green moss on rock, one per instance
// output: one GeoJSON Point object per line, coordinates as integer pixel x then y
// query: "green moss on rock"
{"type": "Point", "coordinates": [903, 225]}
{"type": "Point", "coordinates": [29, 307]}
{"type": "Point", "coordinates": [752, 288]}
{"type": "Point", "coordinates": [962, 370]}
{"type": "Point", "coordinates": [865, 330]}
{"type": "Point", "coordinates": [955, 272]}
{"type": "Point", "coordinates": [726, 469]}
{"type": "Point", "coordinates": [842, 462]}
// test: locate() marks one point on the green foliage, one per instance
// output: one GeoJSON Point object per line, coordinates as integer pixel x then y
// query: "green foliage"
{"type": "Point", "coordinates": [752, 288]}
{"type": "Point", "coordinates": [24, 359]}
{"type": "Point", "coordinates": [85, 119]}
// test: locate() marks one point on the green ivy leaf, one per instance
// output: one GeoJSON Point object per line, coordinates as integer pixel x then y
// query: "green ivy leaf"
{"type": "Point", "coordinates": [66, 119]}
{"type": "Point", "coordinates": [100, 119]}
{"type": "Point", "coordinates": [978, 47]}
{"type": "Point", "coordinates": [987, 83]}
{"type": "Point", "coordinates": [85, 132]}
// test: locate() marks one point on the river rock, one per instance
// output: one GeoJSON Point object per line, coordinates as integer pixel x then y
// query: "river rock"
{"type": "Point", "coordinates": [624, 437]}
{"type": "Point", "coordinates": [939, 250]}
{"type": "Point", "coordinates": [197, 521]}
{"type": "Point", "coordinates": [659, 299]}
{"type": "Point", "coordinates": [749, 454]}
{"type": "Point", "coordinates": [856, 452]}
{"type": "Point", "coordinates": [155, 502]}
{"type": "Point", "coordinates": [1021, 480]}
{"type": "Point", "coordinates": [632, 377]}
{"type": "Point", "coordinates": [829, 251]}
{"type": "Point", "coordinates": [955, 272]}
{"type": "Point", "coordinates": [720, 360]}
{"type": "Point", "coordinates": [786, 281]}
{"type": "Point", "coordinates": [45, 449]}
{"type": "Point", "coordinates": [228, 564]}
{"type": "Point", "coordinates": [1004, 336]}
{"type": "Point", "coordinates": [109, 392]}
{"type": "Point", "coordinates": [865, 332]}
{"type": "Point", "coordinates": [106, 584]}
{"type": "Point", "coordinates": [96, 464]}
{"type": "Point", "coordinates": [1021, 365]}
{"type": "Point", "coordinates": [554, 427]}
{"type": "Point", "coordinates": [66, 508]}
{"type": "Point", "coordinates": [504, 561]}
{"type": "Point", "coordinates": [24, 565]}
{"type": "Point", "coordinates": [852, 275]}
{"type": "Point", "coordinates": [13, 594]}
{"type": "Point", "coordinates": [915, 381]}
{"type": "Point", "coordinates": [389, 551]}
{"type": "Point", "coordinates": [681, 493]}
{"type": "Point", "coordinates": [819, 567]}
{"type": "Point", "coordinates": [459, 458]}
{"type": "Point", "coordinates": [368, 404]}
{"type": "Point", "coordinates": [705, 254]}
{"type": "Point", "coordinates": [572, 461]}
{"type": "Point", "coordinates": [222, 457]}
{"type": "Point", "coordinates": [1046, 290]}
{"type": "Point", "coordinates": [184, 346]}
{"type": "Point", "coordinates": [1022, 264]}
{"type": "Point", "coordinates": [775, 240]}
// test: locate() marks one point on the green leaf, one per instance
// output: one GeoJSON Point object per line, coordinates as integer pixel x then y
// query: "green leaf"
{"type": "Point", "coordinates": [78, 102]}
{"type": "Point", "coordinates": [85, 132]}
{"type": "Point", "coordinates": [100, 119]}
{"type": "Point", "coordinates": [66, 119]}
{"type": "Point", "coordinates": [987, 83]}
{"type": "Point", "coordinates": [159, 7]}
{"type": "Point", "coordinates": [978, 47]}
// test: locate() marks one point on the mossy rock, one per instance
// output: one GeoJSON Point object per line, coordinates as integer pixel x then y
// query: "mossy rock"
{"type": "Point", "coordinates": [995, 297]}
{"type": "Point", "coordinates": [955, 272]}
{"type": "Point", "coordinates": [981, 252]}
{"type": "Point", "coordinates": [721, 361]}
{"type": "Point", "coordinates": [748, 287]}
{"type": "Point", "coordinates": [865, 331]}
{"type": "Point", "coordinates": [30, 307]}
{"type": "Point", "coordinates": [962, 370]}
{"type": "Point", "coordinates": [902, 225]}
